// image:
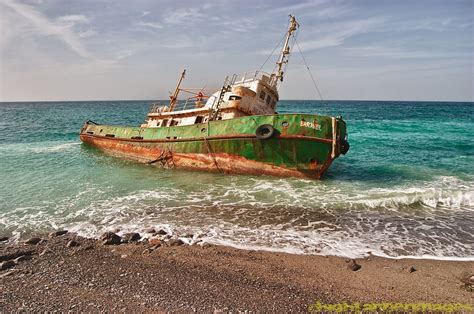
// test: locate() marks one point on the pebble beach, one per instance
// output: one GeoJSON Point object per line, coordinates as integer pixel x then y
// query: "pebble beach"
{"type": "Point", "coordinates": [153, 272]}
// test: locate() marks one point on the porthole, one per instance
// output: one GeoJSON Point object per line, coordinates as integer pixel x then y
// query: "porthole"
{"type": "Point", "coordinates": [203, 130]}
{"type": "Point", "coordinates": [285, 124]}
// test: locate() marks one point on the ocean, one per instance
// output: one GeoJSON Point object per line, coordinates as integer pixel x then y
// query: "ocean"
{"type": "Point", "coordinates": [404, 189]}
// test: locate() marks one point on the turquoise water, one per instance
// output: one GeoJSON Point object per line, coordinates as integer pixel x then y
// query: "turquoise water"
{"type": "Point", "coordinates": [405, 188]}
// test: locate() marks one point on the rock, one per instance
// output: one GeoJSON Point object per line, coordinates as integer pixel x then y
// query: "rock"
{"type": "Point", "coordinates": [21, 258]}
{"type": "Point", "coordinates": [155, 242]}
{"type": "Point", "coordinates": [3, 239]}
{"type": "Point", "coordinates": [468, 281]}
{"type": "Point", "coordinates": [352, 265]}
{"type": "Point", "coordinates": [205, 245]}
{"type": "Point", "coordinates": [33, 241]}
{"type": "Point", "coordinates": [150, 230]}
{"type": "Point", "coordinates": [131, 237]}
{"type": "Point", "coordinates": [45, 251]}
{"type": "Point", "coordinates": [7, 264]}
{"type": "Point", "coordinates": [6, 257]}
{"type": "Point", "coordinates": [161, 232]}
{"type": "Point", "coordinates": [110, 238]}
{"type": "Point", "coordinates": [57, 233]}
{"type": "Point", "coordinates": [72, 243]}
{"type": "Point", "coordinates": [175, 242]}
{"type": "Point", "coordinates": [146, 251]}
{"type": "Point", "coordinates": [411, 269]}
{"type": "Point", "coordinates": [156, 247]}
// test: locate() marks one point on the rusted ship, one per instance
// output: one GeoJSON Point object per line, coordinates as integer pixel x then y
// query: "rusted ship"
{"type": "Point", "coordinates": [235, 130]}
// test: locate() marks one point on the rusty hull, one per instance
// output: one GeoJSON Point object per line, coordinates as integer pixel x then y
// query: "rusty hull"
{"type": "Point", "coordinates": [227, 146]}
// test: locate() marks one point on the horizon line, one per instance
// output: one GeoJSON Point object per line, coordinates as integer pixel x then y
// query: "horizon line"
{"type": "Point", "coordinates": [164, 100]}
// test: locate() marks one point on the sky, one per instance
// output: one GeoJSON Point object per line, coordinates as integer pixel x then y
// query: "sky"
{"type": "Point", "coordinates": [53, 50]}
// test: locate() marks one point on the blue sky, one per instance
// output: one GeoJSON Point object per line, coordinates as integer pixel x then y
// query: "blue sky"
{"type": "Point", "coordinates": [112, 49]}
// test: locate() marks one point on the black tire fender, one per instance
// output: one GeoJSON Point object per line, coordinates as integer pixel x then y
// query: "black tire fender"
{"type": "Point", "coordinates": [344, 147]}
{"type": "Point", "coordinates": [265, 131]}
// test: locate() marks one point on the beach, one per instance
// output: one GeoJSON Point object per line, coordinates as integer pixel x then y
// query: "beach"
{"type": "Point", "coordinates": [71, 273]}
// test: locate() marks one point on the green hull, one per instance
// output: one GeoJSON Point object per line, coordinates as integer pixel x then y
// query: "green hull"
{"type": "Point", "coordinates": [301, 145]}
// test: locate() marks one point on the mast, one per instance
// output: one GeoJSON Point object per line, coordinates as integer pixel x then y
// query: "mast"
{"type": "Point", "coordinates": [283, 59]}
{"type": "Point", "coordinates": [176, 92]}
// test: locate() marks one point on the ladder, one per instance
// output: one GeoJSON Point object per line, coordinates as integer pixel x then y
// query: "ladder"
{"type": "Point", "coordinates": [215, 108]}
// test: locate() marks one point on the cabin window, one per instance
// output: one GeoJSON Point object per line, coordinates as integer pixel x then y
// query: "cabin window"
{"type": "Point", "coordinates": [268, 99]}
{"type": "Point", "coordinates": [199, 119]}
{"type": "Point", "coordinates": [173, 122]}
{"type": "Point", "coordinates": [262, 95]}
{"type": "Point", "coordinates": [165, 121]}
{"type": "Point", "coordinates": [235, 97]}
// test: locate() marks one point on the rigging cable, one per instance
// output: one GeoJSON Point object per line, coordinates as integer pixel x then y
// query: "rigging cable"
{"type": "Point", "coordinates": [271, 53]}
{"type": "Point", "coordinates": [309, 71]}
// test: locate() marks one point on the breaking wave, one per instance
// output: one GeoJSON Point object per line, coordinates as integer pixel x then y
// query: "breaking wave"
{"type": "Point", "coordinates": [294, 216]}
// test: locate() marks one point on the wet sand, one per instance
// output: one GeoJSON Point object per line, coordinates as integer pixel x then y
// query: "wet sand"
{"type": "Point", "coordinates": [85, 275]}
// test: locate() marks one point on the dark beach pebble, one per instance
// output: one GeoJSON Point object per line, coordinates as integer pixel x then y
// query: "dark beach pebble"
{"type": "Point", "coordinates": [21, 258]}
{"type": "Point", "coordinates": [352, 265]}
{"type": "Point", "coordinates": [161, 232]}
{"type": "Point", "coordinates": [131, 237]}
{"type": "Point", "coordinates": [411, 269]}
{"type": "Point", "coordinates": [175, 242]}
{"type": "Point", "coordinates": [3, 239]}
{"type": "Point", "coordinates": [57, 233]}
{"type": "Point", "coordinates": [150, 230]}
{"type": "Point", "coordinates": [468, 281]}
{"type": "Point", "coordinates": [110, 238]}
{"type": "Point", "coordinates": [45, 251]}
{"type": "Point", "coordinates": [33, 241]}
{"type": "Point", "coordinates": [72, 243]}
{"type": "Point", "coordinates": [7, 264]}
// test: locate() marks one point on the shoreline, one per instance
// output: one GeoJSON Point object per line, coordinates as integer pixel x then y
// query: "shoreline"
{"type": "Point", "coordinates": [69, 272]}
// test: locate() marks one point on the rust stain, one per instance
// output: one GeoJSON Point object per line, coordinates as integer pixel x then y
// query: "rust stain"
{"type": "Point", "coordinates": [226, 163]}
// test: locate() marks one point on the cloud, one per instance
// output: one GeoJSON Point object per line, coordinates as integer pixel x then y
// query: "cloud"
{"type": "Point", "coordinates": [46, 27]}
{"type": "Point", "coordinates": [75, 18]}
{"type": "Point", "coordinates": [300, 6]}
{"type": "Point", "coordinates": [152, 25]}
{"type": "Point", "coordinates": [182, 15]}
{"type": "Point", "coordinates": [338, 33]}
{"type": "Point", "coordinates": [87, 33]}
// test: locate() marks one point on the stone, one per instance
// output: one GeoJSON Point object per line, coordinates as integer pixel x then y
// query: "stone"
{"type": "Point", "coordinates": [150, 230]}
{"type": "Point", "coordinates": [155, 242]}
{"type": "Point", "coordinates": [411, 269]}
{"type": "Point", "coordinates": [175, 242]}
{"type": "Point", "coordinates": [21, 258]}
{"type": "Point", "coordinates": [110, 238]}
{"type": "Point", "coordinates": [3, 239]}
{"type": "Point", "coordinates": [146, 251]}
{"type": "Point", "coordinates": [352, 265]}
{"type": "Point", "coordinates": [7, 264]}
{"type": "Point", "coordinates": [72, 243]}
{"type": "Point", "coordinates": [57, 233]}
{"type": "Point", "coordinates": [161, 232]}
{"type": "Point", "coordinates": [131, 237]}
{"type": "Point", "coordinates": [45, 251]}
{"type": "Point", "coordinates": [468, 281]}
{"type": "Point", "coordinates": [33, 241]}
